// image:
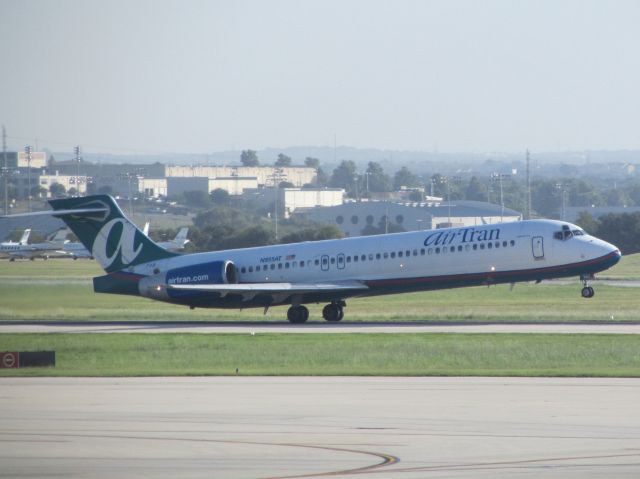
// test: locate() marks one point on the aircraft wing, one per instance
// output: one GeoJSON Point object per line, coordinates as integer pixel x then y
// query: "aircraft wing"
{"type": "Point", "coordinates": [279, 291]}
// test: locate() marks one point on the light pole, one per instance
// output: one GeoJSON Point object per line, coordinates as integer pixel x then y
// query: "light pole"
{"type": "Point", "coordinates": [355, 181]}
{"type": "Point", "coordinates": [76, 151]}
{"type": "Point", "coordinates": [499, 177]}
{"type": "Point", "coordinates": [277, 176]}
{"type": "Point", "coordinates": [561, 186]}
{"type": "Point", "coordinates": [27, 150]}
{"type": "Point", "coordinates": [5, 171]}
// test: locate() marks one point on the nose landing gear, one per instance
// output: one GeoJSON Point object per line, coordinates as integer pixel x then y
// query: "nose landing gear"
{"type": "Point", "coordinates": [587, 291]}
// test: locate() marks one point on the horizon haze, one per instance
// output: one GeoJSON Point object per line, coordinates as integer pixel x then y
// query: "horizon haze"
{"type": "Point", "coordinates": [159, 77]}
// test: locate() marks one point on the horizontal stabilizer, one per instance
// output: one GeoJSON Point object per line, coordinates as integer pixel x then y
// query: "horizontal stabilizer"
{"type": "Point", "coordinates": [76, 212]}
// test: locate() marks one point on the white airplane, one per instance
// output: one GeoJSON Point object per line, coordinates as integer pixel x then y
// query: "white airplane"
{"type": "Point", "coordinates": [176, 244]}
{"type": "Point", "coordinates": [333, 270]}
{"type": "Point", "coordinates": [8, 247]}
{"type": "Point", "coordinates": [24, 250]}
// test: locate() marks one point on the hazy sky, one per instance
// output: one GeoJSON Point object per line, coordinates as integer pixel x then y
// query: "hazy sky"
{"type": "Point", "coordinates": [201, 76]}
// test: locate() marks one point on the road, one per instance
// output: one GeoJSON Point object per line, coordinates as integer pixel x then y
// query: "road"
{"type": "Point", "coordinates": [256, 327]}
{"type": "Point", "coordinates": [319, 427]}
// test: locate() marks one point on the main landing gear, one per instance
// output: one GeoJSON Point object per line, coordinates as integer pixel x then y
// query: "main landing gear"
{"type": "Point", "coordinates": [587, 291]}
{"type": "Point", "coordinates": [297, 314]}
{"type": "Point", "coordinates": [331, 312]}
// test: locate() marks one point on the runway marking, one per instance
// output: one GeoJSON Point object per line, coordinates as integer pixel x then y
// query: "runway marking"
{"type": "Point", "coordinates": [494, 465]}
{"type": "Point", "coordinates": [387, 459]}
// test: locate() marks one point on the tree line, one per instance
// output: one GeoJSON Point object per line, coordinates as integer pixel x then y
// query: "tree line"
{"type": "Point", "coordinates": [548, 195]}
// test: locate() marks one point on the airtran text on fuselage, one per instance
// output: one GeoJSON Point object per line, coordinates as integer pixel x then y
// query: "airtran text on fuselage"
{"type": "Point", "coordinates": [464, 235]}
{"type": "Point", "coordinates": [270, 259]}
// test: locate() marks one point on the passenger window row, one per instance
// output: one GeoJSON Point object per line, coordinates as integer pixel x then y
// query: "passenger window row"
{"type": "Point", "coordinates": [377, 256]}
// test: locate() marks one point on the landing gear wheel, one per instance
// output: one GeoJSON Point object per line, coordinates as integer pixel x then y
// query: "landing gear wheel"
{"type": "Point", "coordinates": [297, 314]}
{"type": "Point", "coordinates": [588, 292]}
{"type": "Point", "coordinates": [332, 312]}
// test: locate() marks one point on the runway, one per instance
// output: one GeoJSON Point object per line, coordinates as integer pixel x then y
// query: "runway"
{"type": "Point", "coordinates": [319, 427]}
{"type": "Point", "coordinates": [256, 327]}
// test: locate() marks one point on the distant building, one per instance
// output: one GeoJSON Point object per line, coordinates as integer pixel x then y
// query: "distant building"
{"type": "Point", "coordinates": [234, 185]}
{"type": "Point", "coordinates": [353, 217]}
{"type": "Point", "coordinates": [293, 199]}
{"type": "Point", "coordinates": [297, 175]}
{"type": "Point", "coordinates": [146, 178]}
{"type": "Point", "coordinates": [152, 187]}
{"type": "Point", "coordinates": [79, 183]}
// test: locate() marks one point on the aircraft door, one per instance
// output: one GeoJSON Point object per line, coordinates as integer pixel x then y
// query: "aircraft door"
{"type": "Point", "coordinates": [340, 261]}
{"type": "Point", "coordinates": [324, 262]}
{"type": "Point", "coordinates": [537, 246]}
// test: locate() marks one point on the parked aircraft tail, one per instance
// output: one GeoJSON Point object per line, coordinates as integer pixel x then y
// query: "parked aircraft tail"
{"type": "Point", "coordinates": [113, 240]}
{"type": "Point", "coordinates": [59, 236]}
{"type": "Point", "coordinates": [25, 236]}
{"type": "Point", "coordinates": [181, 237]}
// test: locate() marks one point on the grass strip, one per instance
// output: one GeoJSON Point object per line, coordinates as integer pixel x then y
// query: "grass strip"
{"type": "Point", "coordinates": [332, 354]}
{"type": "Point", "coordinates": [527, 302]}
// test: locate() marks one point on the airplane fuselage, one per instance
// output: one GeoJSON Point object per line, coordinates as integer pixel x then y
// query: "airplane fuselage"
{"type": "Point", "coordinates": [402, 262]}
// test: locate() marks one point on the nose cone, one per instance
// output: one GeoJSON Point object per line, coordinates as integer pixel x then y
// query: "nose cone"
{"type": "Point", "coordinates": [610, 252]}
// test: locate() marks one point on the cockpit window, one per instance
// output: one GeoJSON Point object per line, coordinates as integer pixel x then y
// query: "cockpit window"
{"type": "Point", "coordinates": [567, 233]}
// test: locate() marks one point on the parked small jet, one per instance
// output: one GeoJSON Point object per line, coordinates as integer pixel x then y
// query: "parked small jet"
{"type": "Point", "coordinates": [333, 270]}
{"type": "Point", "coordinates": [24, 250]}
{"type": "Point", "coordinates": [176, 244]}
